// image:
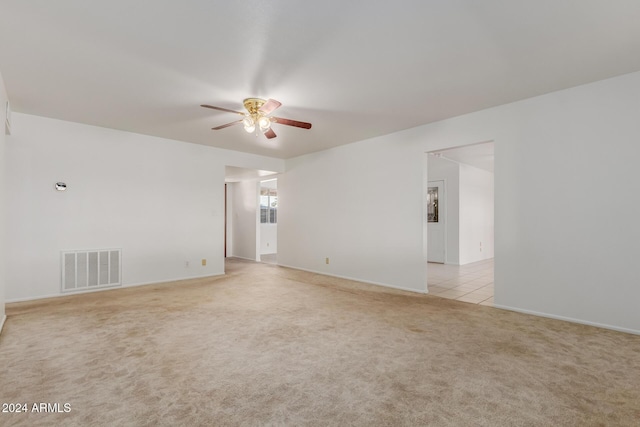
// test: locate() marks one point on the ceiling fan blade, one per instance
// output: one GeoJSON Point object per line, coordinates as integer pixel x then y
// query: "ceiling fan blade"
{"type": "Point", "coordinates": [290, 122]}
{"type": "Point", "coordinates": [270, 133]}
{"type": "Point", "coordinates": [227, 125]}
{"type": "Point", "coordinates": [222, 109]}
{"type": "Point", "coordinates": [269, 106]}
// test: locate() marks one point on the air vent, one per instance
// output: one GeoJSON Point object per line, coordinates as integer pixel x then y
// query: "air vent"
{"type": "Point", "coordinates": [82, 270]}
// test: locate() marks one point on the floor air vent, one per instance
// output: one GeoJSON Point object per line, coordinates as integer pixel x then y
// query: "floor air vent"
{"type": "Point", "coordinates": [83, 270]}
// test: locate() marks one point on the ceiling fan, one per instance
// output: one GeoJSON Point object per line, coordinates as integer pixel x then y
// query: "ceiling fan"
{"type": "Point", "coordinates": [257, 117]}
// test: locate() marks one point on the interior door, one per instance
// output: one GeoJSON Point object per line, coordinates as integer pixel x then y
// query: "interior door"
{"type": "Point", "coordinates": [436, 232]}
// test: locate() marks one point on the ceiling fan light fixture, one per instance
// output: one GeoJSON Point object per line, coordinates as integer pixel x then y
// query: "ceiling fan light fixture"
{"type": "Point", "coordinates": [249, 124]}
{"type": "Point", "coordinates": [257, 117]}
{"type": "Point", "coordinates": [264, 123]}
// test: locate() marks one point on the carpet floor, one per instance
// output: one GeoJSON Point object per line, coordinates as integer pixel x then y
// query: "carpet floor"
{"type": "Point", "coordinates": [266, 345]}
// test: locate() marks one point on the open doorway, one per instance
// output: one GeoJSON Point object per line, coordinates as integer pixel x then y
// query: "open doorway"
{"type": "Point", "coordinates": [467, 204]}
{"type": "Point", "coordinates": [243, 212]}
{"type": "Point", "coordinates": [269, 221]}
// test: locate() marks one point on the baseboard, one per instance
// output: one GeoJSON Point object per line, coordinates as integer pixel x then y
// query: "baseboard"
{"type": "Point", "coordinates": [241, 257]}
{"type": "Point", "coordinates": [131, 285]}
{"type": "Point", "coordinates": [569, 319]}
{"type": "Point", "coordinates": [202, 276]}
{"type": "Point", "coordinates": [4, 318]}
{"type": "Point", "coordinates": [369, 282]}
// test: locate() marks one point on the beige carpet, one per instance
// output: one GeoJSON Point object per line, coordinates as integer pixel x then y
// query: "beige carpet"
{"type": "Point", "coordinates": [266, 345]}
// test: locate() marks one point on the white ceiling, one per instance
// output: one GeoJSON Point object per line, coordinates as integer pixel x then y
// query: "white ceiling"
{"type": "Point", "coordinates": [355, 70]}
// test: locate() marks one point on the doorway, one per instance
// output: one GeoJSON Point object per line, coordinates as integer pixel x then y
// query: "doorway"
{"type": "Point", "coordinates": [269, 221]}
{"type": "Point", "coordinates": [243, 212]}
{"type": "Point", "coordinates": [459, 187]}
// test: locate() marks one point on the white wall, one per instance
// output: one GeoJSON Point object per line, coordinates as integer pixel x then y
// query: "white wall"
{"type": "Point", "coordinates": [354, 205]}
{"type": "Point", "coordinates": [159, 200]}
{"type": "Point", "coordinates": [245, 219]}
{"type": "Point", "coordinates": [449, 172]}
{"type": "Point", "coordinates": [558, 251]}
{"type": "Point", "coordinates": [268, 239]}
{"type": "Point", "coordinates": [476, 214]}
{"type": "Point", "coordinates": [3, 112]}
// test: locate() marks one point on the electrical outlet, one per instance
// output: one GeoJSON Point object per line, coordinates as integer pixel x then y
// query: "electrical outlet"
{"type": "Point", "coordinates": [186, 263]}
{"type": "Point", "coordinates": [204, 261]}
{"type": "Point", "coordinates": [326, 260]}
{"type": "Point", "coordinates": [267, 244]}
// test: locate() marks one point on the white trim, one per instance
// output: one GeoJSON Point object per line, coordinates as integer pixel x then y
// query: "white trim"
{"type": "Point", "coordinates": [241, 257]}
{"type": "Point", "coordinates": [67, 294]}
{"type": "Point", "coordinates": [4, 318]}
{"type": "Point", "coordinates": [201, 276]}
{"type": "Point", "coordinates": [568, 319]}
{"type": "Point", "coordinates": [355, 280]}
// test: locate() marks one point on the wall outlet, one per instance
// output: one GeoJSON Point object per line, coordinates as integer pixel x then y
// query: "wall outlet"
{"type": "Point", "coordinates": [326, 260]}
{"type": "Point", "coordinates": [204, 261]}
{"type": "Point", "coordinates": [186, 264]}
{"type": "Point", "coordinates": [267, 244]}
{"type": "Point", "coordinates": [480, 246]}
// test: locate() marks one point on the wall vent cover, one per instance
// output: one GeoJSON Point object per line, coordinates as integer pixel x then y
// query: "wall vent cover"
{"type": "Point", "coordinates": [82, 270]}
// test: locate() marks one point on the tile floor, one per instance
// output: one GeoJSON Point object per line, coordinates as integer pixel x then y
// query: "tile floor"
{"type": "Point", "coordinates": [472, 283]}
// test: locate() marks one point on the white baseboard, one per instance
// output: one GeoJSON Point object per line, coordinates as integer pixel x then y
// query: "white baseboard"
{"type": "Point", "coordinates": [386, 285]}
{"type": "Point", "coordinates": [4, 318]}
{"type": "Point", "coordinates": [569, 319]}
{"type": "Point", "coordinates": [202, 276]}
{"type": "Point", "coordinates": [241, 257]}
{"type": "Point", "coordinates": [130, 285]}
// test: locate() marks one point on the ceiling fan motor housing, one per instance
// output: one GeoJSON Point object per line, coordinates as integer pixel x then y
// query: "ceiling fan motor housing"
{"type": "Point", "coordinates": [253, 105]}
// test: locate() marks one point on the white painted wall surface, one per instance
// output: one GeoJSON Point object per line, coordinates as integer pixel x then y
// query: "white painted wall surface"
{"type": "Point", "coordinates": [555, 155]}
{"type": "Point", "coordinates": [448, 171]}
{"type": "Point", "coordinates": [476, 214]}
{"type": "Point", "coordinates": [244, 207]}
{"type": "Point", "coordinates": [3, 112]}
{"type": "Point", "coordinates": [159, 200]}
{"type": "Point", "coordinates": [268, 239]}
{"type": "Point", "coordinates": [359, 205]}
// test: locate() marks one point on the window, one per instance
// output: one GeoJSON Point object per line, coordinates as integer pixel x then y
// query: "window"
{"type": "Point", "coordinates": [268, 205]}
{"type": "Point", "coordinates": [432, 204]}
